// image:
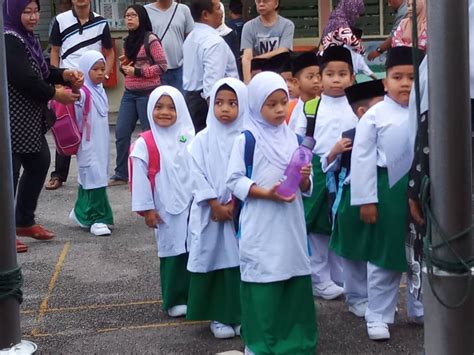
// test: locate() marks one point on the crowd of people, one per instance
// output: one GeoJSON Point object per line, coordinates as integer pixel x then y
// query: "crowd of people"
{"type": "Point", "coordinates": [217, 140]}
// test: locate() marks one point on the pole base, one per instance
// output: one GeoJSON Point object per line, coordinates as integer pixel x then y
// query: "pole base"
{"type": "Point", "coordinates": [25, 347]}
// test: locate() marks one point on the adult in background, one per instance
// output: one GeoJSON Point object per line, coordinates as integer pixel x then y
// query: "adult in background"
{"type": "Point", "coordinates": [401, 9]}
{"type": "Point", "coordinates": [171, 22]}
{"type": "Point", "coordinates": [143, 63]}
{"type": "Point", "coordinates": [229, 35]}
{"type": "Point", "coordinates": [30, 87]}
{"type": "Point", "coordinates": [265, 36]}
{"type": "Point", "coordinates": [403, 35]}
{"type": "Point", "coordinates": [342, 19]}
{"type": "Point", "coordinates": [236, 21]}
{"type": "Point", "coordinates": [75, 32]}
{"type": "Point", "coordinates": [207, 58]}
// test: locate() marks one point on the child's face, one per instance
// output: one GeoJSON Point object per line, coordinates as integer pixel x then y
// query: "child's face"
{"type": "Point", "coordinates": [398, 83]}
{"type": "Point", "coordinates": [97, 73]}
{"type": "Point", "coordinates": [164, 113]}
{"type": "Point", "coordinates": [226, 106]}
{"type": "Point", "coordinates": [336, 76]}
{"type": "Point", "coordinates": [309, 81]}
{"type": "Point", "coordinates": [292, 84]}
{"type": "Point", "coordinates": [275, 108]}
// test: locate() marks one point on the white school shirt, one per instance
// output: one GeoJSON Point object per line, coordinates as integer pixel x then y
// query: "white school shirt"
{"type": "Point", "coordinates": [207, 58]}
{"type": "Point", "coordinates": [273, 242]}
{"type": "Point", "coordinates": [297, 115]}
{"type": "Point", "coordinates": [384, 123]}
{"type": "Point", "coordinates": [213, 245]}
{"type": "Point", "coordinates": [358, 63]}
{"type": "Point", "coordinates": [334, 116]}
{"type": "Point", "coordinates": [172, 234]}
{"type": "Point", "coordinates": [93, 155]}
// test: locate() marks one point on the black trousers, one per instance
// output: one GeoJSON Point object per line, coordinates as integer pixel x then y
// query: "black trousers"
{"type": "Point", "coordinates": [197, 107]}
{"type": "Point", "coordinates": [28, 187]}
{"type": "Point", "coordinates": [61, 167]}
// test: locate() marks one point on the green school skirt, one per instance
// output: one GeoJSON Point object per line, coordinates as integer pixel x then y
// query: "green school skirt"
{"type": "Point", "coordinates": [92, 206]}
{"type": "Point", "coordinates": [279, 317]}
{"type": "Point", "coordinates": [215, 296]}
{"type": "Point", "coordinates": [316, 207]}
{"type": "Point", "coordinates": [383, 243]}
{"type": "Point", "coordinates": [174, 280]}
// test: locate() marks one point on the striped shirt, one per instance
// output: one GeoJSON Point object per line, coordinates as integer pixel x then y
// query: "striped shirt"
{"type": "Point", "coordinates": [75, 39]}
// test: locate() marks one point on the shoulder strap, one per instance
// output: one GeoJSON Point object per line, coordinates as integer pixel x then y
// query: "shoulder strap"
{"type": "Point", "coordinates": [153, 157]}
{"type": "Point", "coordinates": [146, 44]}
{"type": "Point", "coordinates": [248, 152]}
{"type": "Point", "coordinates": [310, 110]}
{"type": "Point", "coordinates": [300, 139]}
{"type": "Point", "coordinates": [169, 23]}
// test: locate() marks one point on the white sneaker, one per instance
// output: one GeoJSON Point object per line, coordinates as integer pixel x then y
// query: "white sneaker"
{"type": "Point", "coordinates": [247, 351]}
{"type": "Point", "coordinates": [358, 309]}
{"type": "Point", "coordinates": [100, 229]}
{"type": "Point", "coordinates": [222, 331]}
{"type": "Point", "coordinates": [378, 331]}
{"type": "Point", "coordinates": [327, 290]}
{"type": "Point", "coordinates": [178, 311]}
{"type": "Point", "coordinates": [237, 329]}
{"type": "Point", "coordinates": [72, 217]}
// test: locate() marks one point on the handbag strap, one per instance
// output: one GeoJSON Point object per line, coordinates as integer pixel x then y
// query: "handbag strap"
{"type": "Point", "coordinates": [169, 23]}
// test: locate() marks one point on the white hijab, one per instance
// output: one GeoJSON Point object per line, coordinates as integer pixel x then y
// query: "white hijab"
{"type": "Point", "coordinates": [220, 139]}
{"type": "Point", "coordinates": [99, 97]}
{"type": "Point", "coordinates": [277, 143]}
{"type": "Point", "coordinates": [173, 182]}
{"type": "Point", "coordinates": [223, 29]}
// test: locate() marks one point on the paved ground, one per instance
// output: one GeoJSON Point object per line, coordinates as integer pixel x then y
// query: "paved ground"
{"type": "Point", "coordinates": [86, 295]}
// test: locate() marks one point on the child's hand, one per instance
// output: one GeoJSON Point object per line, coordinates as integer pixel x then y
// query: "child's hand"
{"type": "Point", "coordinates": [305, 175]}
{"type": "Point", "coordinates": [152, 218]}
{"type": "Point", "coordinates": [274, 196]}
{"type": "Point", "coordinates": [220, 213]}
{"type": "Point", "coordinates": [416, 211]}
{"type": "Point", "coordinates": [343, 145]}
{"type": "Point", "coordinates": [368, 213]}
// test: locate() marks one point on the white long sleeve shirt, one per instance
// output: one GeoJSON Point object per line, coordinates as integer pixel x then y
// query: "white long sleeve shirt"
{"type": "Point", "coordinates": [207, 58]}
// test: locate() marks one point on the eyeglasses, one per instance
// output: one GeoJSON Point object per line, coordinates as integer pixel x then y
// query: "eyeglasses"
{"type": "Point", "coordinates": [131, 16]}
{"type": "Point", "coordinates": [31, 14]}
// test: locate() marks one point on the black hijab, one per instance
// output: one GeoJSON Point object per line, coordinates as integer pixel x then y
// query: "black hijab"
{"type": "Point", "coordinates": [135, 39]}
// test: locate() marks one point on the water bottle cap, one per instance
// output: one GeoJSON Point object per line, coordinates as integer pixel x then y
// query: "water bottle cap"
{"type": "Point", "coordinates": [309, 143]}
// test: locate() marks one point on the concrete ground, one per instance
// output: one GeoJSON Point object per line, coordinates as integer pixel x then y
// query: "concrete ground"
{"type": "Point", "coordinates": [87, 294]}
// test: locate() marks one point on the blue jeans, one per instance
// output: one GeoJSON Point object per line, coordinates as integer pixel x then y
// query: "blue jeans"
{"type": "Point", "coordinates": [132, 107]}
{"type": "Point", "coordinates": [174, 78]}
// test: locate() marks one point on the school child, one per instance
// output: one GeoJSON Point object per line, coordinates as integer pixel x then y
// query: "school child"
{"type": "Point", "coordinates": [358, 60]}
{"type": "Point", "coordinates": [92, 209]}
{"type": "Point", "coordinates": [214, 291]}
{"type": "Point", "coordinates": [346, 240]}
{"type": "Point", "coordinates": [305, 70]}
{"type": "Point", "coordinates": [333, 115]}
{"type": "Point", "coordinates": [380, 152]}
{"type": "Point", "coordinates": [165, 202]}
{"type": "Point", "coordinates": [278, 314]}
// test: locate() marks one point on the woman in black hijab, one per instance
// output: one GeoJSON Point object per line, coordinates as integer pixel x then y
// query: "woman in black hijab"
{"type": "Point", "coordinates": [142, 63]}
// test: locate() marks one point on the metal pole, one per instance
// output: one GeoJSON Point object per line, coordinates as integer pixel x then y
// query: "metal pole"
{"type": "Point", "coordinates": [10, 333]}
{"type": "Point", "coordinates": [447, 330]}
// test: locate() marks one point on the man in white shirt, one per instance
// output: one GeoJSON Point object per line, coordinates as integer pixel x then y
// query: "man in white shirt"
{"type": "Point", "coordinates": [207, 58]}
{"type": "Point", "coordinates": [172, 22]}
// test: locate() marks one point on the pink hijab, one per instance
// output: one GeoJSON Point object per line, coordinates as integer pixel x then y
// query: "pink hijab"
{"type": "Point", "coordinates": [406, 25]}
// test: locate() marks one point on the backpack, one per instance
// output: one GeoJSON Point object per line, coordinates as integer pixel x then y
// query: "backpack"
{"type": "Point", "coordinates": [249, 150]}
{"type": "Point", "coordinates": [66, 132]}
{"type": "Point", "coordinates": [153, 161]}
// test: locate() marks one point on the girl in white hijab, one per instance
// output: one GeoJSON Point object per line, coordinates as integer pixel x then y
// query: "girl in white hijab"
{"type": "Point", "coordinates": [92, 208]}
{"type": "Point", "coordinates": [166, 206]}
{"type": "Point", "coordinates": [214, 253]}
{"type": "Point", "coordinates": [278, 314]}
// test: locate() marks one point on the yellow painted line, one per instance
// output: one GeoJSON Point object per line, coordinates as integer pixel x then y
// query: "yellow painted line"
{"type": "Point", "coordinates": [151, 326]}
{"type": "Point", "coordinates": [52, 283]}
{"type": "Point", "coordinates": [27, 312]}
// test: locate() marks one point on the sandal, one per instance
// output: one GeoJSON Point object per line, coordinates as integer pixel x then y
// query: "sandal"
{"type": "Point", "coordinates": [20, 247]}
{"type": "Point", "coordinates": [36, 231]}
{"type": "Point", "coordinates": [53, 184]}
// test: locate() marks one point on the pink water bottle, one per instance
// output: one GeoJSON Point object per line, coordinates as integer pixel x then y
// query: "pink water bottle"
{"type": "Point", "coordinates": [292, 177]}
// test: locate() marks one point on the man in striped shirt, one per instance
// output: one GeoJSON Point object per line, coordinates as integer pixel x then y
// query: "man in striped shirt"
{"type": "Point", "coordinates": [75, 32]}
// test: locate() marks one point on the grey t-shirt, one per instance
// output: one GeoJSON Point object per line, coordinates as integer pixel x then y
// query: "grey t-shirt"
{"type": "Point", "coordinates": [173, 41]}
{"type": "Point", "coordinates": [266, 39]}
